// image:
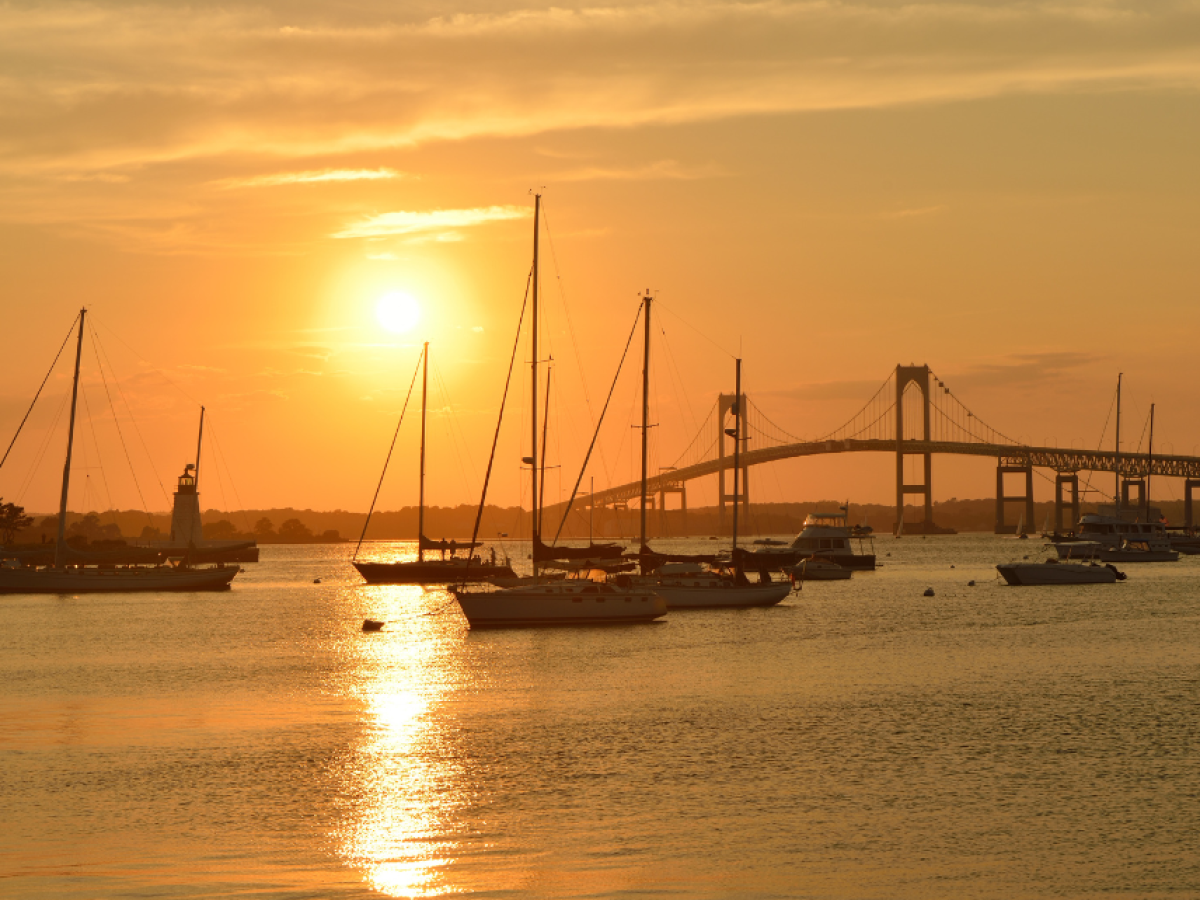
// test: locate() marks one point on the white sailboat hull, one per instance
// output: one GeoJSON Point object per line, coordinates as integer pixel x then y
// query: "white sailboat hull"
{"type": "Point", "coordinates": [114, 581]}
{"type": "Point", "coordinates": [681, 595]}
{"type": "Point", "coordinates": [570, 603]}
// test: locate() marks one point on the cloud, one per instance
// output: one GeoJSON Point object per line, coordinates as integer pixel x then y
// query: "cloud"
{"type": "Point", "coordinates": [91, 87]}
{"type": "Point", "coordinates": [665, 169]}
{"type": "Point", "coordinates": [442, 221]}
{"type": "Point", "coordinates": [320, 175]}
{"type": "Point", "coordinates": [1023, 369]}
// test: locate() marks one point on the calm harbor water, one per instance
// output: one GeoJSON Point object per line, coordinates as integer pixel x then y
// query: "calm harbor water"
{"type": "Point", "coordinates": [858, 741]}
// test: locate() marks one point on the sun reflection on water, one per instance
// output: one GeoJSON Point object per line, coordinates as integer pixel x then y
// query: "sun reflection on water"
{"type": "Point", "coordinates": [405, 786]}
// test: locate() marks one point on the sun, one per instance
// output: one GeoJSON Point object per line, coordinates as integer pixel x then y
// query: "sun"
{"type": "Point", "coordinates": [398, 312]}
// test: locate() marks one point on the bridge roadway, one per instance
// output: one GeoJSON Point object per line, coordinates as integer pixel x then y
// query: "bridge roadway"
{"type": "Point", "coordinates": [1133, 465]}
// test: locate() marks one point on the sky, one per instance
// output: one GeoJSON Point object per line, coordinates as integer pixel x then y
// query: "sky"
{"type": "Point", "coordinates": [1006, 192]}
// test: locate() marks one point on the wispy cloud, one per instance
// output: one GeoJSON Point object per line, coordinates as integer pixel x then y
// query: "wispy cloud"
{"type": "Point", "coordinates": [443, 221]}
{"type": "Point", "coordinates": [665, 169]}
{"type": "Point", "coordinates": [313, 177]}
{"type": "Point", "coordinates": [292, 82]}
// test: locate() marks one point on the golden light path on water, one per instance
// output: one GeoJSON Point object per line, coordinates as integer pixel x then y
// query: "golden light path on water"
{"type": "Point", "coordinates": [406, 785]}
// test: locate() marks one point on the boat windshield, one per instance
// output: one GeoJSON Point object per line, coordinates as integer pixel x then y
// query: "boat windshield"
{"type": "Point", "coordinates": [825, 520]}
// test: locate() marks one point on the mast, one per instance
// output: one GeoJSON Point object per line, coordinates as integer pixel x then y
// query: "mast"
{"type": "Point", "coordinates": [737, 445]}
{"type": "Point", "coordinates": [536, 536]}
{"type": "Point", "coordinates": [1117, 495]}
{"type": "Point", "coordinates": [545, 428]}
{"type": "Point", "coordinates": [1149, 465]}
{"type": "Point", "coordinates": [199, 443]}
{"type": "Point", "coordinates": [421, 483]}
{"type": "Point", "coordinates": [645, 419]}
{"type": "Point", "coordinates": [61, 544]}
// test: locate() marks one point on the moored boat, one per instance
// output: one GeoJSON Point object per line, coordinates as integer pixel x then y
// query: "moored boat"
{"type": "Point", "coordinates": [1054, 571]}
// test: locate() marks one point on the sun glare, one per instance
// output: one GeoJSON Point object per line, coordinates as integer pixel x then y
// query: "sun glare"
{"type": "Point", "coordinates": [398, 312]}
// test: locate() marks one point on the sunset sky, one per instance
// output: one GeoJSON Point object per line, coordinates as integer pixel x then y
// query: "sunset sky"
{"type": "Point", "coordinates": [1007, 192]}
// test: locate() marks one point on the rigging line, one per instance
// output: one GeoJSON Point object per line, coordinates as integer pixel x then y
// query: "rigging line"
{"type": "Point", "coordinates": [116, 421]}
{"type": "Point", "coordinates": [146, 361]}
{"type": "Point", "coordinates": [675, 379]}
{"type": "Point", "coordinates": [132, 418]}
{"type": "Point", "coordinates": [49, 372]}
{"type": "Point", "coordinates": [228, 473]}
{"type": "Point", "coordinates": [404, 409]}
{"type": "Point", "coordinates": [587, 396]}
{"type": "Point", "coordinates": [596, 433]}
{"type": "Point", "coordinates": [487, 477]}
{"type": "Point", "coordinates": [449, 423]}
{"type": "Point", "coordinates": [709, 416]}
{"type": "Point", "coordinates": [42, 448]}
{"type": "Point", "coordinates": [87, 411]}
{"type": "Point", "coordinates": [662, 305]}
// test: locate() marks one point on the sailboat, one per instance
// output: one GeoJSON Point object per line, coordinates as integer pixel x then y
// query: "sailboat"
{"type": "Point", "coordinates": [67, 574]}
{"type": "Point", "coordinates": [422, 570]}
{"type": "Point", "coordinates": [695, 582]}
{"type": "Point", "coordinates": [571, 601]}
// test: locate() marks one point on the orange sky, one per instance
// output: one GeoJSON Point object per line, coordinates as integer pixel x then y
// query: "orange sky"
{"type": "Point", "coordinates": [1008, 193]}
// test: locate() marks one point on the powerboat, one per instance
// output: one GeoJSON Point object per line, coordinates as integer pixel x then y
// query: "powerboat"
{"type": "Point", "coordinates": [1054, 571]}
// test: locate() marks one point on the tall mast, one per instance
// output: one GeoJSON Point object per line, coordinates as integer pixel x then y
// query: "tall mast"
{"type": "Point", "coordinates": [645, 417]}
{"type": "Point", "coordinates": [737, 444]}
{"type": "Point", "coordinates": [61, 543]}
{"type": "Point", "coordinates": [421, 483]}
{"type": "Point", "coordinates": [199, 444]}
{"type": "Point", "coordinates": [1149, 464]}
{"type": "Point", "coordinates": [1117, 495]}
{"type": "Point", "coordinates": [537, 206]}
{"type": "Point", "coordinates": [545, 428]}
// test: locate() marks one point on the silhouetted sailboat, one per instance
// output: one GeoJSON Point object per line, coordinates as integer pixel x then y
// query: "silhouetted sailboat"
{"type": "Point", "coordinates": [573, 601]}
{"type": "Point", "coordinates": [421, 570]}
{"type": "Point", "coordinates": [695, 582]}
{"type": "Point", "coordinates": [68, 575]}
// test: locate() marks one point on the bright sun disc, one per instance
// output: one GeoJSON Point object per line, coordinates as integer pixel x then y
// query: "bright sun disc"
{"type": "Point", "coordinates": [398, 312]}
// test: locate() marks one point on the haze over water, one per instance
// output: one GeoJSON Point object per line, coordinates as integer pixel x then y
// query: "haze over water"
{"type": "Point", "coordinates": [859, 741]}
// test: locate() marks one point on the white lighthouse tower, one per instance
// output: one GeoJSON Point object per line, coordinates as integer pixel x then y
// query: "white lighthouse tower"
{"type": "Point", "coordinates": [186, 527]}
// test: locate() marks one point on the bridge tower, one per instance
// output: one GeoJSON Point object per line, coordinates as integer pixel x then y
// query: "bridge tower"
{"type": "Point", "coordinates": [918, 375]}
{"type": "Point", "coordinates": [725, 402]}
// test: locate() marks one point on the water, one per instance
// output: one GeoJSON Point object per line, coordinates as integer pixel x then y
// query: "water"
{"type": "Point", "coordinates": [859, 741]}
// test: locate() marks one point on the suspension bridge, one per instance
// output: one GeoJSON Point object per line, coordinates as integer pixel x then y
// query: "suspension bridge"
{"type": "Point", "coordinates": [913, 415]}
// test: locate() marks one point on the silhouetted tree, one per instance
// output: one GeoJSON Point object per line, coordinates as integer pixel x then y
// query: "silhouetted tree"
{"type": "Point", "coordinates": [264, 527]}
{"type": "Point", "coordinates": [150, 533]}
{"type": "Point", "coordinates": [294, 530]}
{"type": "Point", "coordinates": [220, 531]}
{"type": "Point", "coordinates": [12, 521]}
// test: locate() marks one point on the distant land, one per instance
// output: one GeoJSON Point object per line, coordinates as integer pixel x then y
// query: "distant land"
{"type": "Point", "coordinates": [290, 525]}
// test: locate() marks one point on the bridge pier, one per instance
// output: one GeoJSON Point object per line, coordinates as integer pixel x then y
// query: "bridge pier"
{"type": "Point", "coordinates": [681, 490]}
{"type": "Point", "coordinates": [1009, 468]}
{"type": "Point", "coordinates": [1188, 485]}
{"type": "Point", "coordinates": [1139, 502]}
{"type": "Point", "coordinates": [918, 375]}
{"type": "Point", "coordinates": [1060, 480]}
{"type": "Point", "coordinates": [724, 403]}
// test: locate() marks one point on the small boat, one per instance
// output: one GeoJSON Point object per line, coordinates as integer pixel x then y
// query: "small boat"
{"type": "Point", "coordinates": [1054, 571]}
{"type": "Point", "coordinates": [422, 570]}
{"type": "Point", "coordinates": [817, 569]}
